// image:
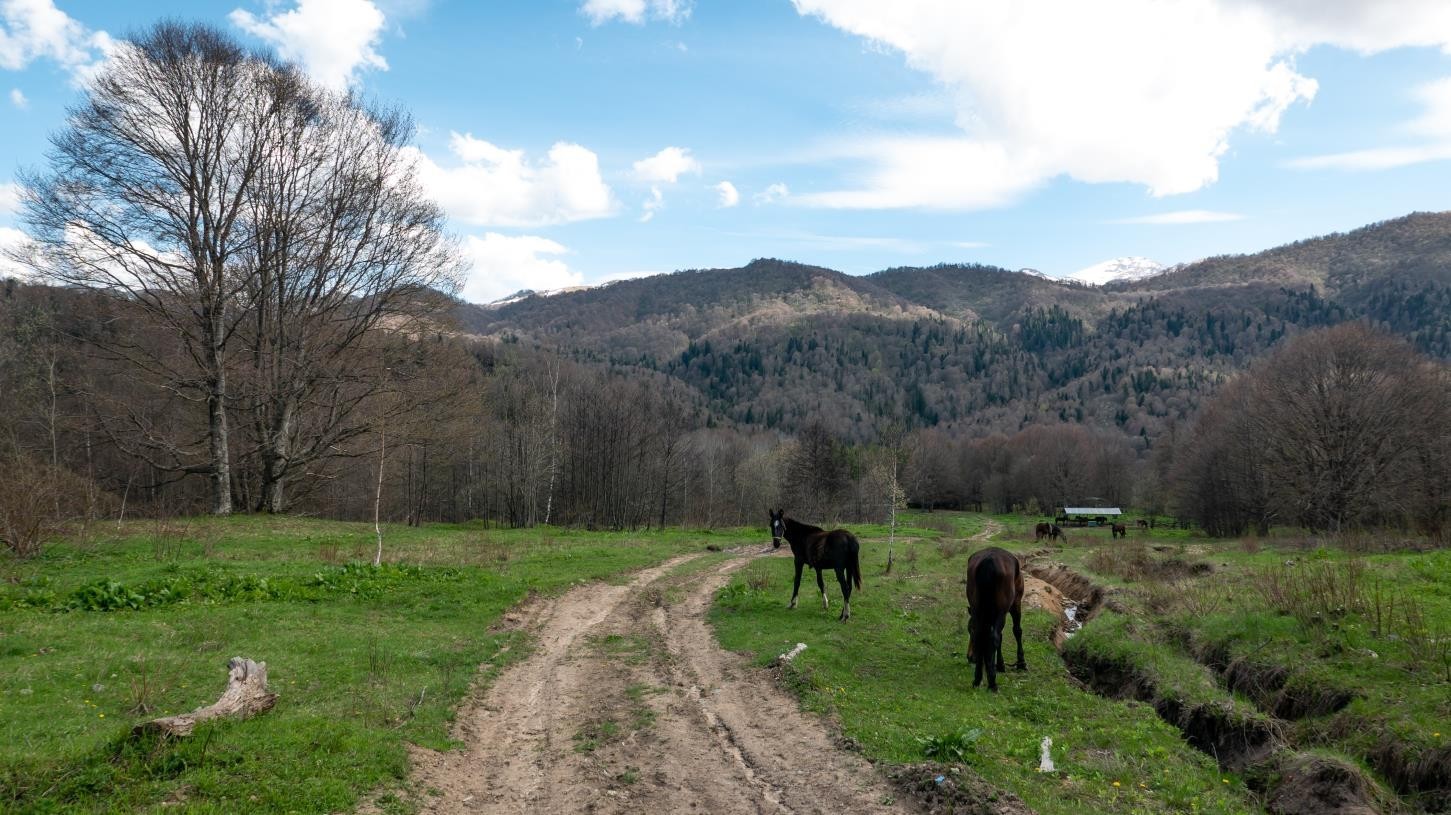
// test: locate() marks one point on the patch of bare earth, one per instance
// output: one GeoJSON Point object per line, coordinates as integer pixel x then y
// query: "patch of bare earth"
{"type": "Point", "coordinates": [627, 704]}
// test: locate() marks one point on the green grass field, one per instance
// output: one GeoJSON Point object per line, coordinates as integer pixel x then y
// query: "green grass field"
{"type": "Point", "coordinates": [364, 659]}
{"type": "Point", "coordinates": [1346, 651]}
{"type": "Point", "coordinates": [897, 679]}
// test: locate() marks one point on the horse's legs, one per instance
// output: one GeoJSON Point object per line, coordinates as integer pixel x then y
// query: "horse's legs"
{"type": "Point", "coordinates": [845, 583]}
{"type": "Point", "coordinates": [992, 656]}
{"type": "Point", "coordinates": [998, 631]}
{"type": "Point", "coordinates": [821, 584]}
{"type": "Point", "coordinates": [1018, 633]}
{"type": "Point", "coordinates": [974, 654]}
{"type": "Point", "coordinates": [796, 589]}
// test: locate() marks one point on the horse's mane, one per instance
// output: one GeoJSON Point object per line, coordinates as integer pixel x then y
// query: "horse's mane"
{"type": "Point", "coordinates": [802, 526]}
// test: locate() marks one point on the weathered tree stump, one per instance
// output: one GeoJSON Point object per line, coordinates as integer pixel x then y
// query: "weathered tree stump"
{"type": "Point", "coordinates": [246, 696]}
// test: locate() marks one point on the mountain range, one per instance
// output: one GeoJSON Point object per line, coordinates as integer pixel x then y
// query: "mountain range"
{"type": "Point", "coordinates": [980, 348]}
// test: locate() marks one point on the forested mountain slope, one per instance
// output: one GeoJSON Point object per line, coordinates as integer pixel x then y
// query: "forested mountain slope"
{"type": "Point", "coordinates": [778, 344]}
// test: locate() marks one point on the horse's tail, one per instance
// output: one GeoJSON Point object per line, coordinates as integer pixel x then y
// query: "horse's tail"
{"type": "Point", "coordinates": [853, 566]}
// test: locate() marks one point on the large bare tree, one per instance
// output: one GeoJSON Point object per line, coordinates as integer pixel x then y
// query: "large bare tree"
{"type": "Point", "coordinates": [144, 201]}
{"type": "Point", "coordinates": [268, 225]}
{"type": "Point", "coordinates": [346, 244]}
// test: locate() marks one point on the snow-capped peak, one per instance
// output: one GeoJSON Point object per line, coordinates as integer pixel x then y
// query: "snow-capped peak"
{"type": "Point", "coordinates": [524, 294]}
{"type": "Point", "coordinates": [1109, 271]}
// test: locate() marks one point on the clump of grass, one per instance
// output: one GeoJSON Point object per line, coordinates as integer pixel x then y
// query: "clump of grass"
{"type": "Point", "coordinates": [1314, 591]}
{"type": "Point", "coordinates": [957, 746]}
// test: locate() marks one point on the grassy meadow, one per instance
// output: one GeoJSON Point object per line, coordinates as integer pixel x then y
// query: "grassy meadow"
{"type": "Point", "coordinates": [1337, 651]}
{"type": "Point", "coordinates": [1189, 618]}
{"type": "Point", "coordinates": [97, 636]}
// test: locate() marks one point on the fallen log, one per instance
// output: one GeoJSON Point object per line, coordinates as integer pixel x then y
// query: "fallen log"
{"type": "Point", "coordinates": [246, 696]}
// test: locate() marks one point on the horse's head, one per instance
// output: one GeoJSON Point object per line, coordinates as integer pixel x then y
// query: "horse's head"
{"type": "Point", "coordinates": [778, 526]}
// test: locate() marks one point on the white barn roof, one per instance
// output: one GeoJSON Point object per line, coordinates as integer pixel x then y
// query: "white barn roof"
{"type": "Point", "coordinates": [1092, 511]}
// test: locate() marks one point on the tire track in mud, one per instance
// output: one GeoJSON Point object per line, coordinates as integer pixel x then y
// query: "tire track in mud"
{"type": "Point", "coordinates": [628, 704]}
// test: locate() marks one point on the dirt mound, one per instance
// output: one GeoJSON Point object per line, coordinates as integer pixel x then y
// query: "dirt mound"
{"type": "Point", "coordinates": [1038, 594]}
{"type": "Point", "coordinates": [1317, 785]}
{"type": "Point", "coordinates": [953, 790]}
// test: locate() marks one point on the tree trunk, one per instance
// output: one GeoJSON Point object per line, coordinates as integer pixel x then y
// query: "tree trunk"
{"type": "Point", "coordinates": [274, 459]}
{"type": "Point", "coordinates": [246, 696]}
{"type": "Point", "coordinates": [221, 466]}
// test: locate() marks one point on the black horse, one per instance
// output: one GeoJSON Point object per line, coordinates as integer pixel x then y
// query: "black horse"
{"type": "Point", "coordinates": [819, 549]}
{"type": "Point", "coordinates": [994, 590]}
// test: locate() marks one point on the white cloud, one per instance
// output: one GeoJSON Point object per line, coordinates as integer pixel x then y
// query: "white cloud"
{"type": "Point", "coordinates": [495, 186]}
{"type": "Point", "coordinates": [1137, 91]}
{"type": "Point", "coordinates": [1432, 127]}
{"type": "Point", "coordinates": [331, 39]}
{"type": "Point", "coordinates": [503, 264]}
{"type": "Point", "coordinates": [17, 98]}
{"type": "Point", "coordinates": [1183, 216]}
{"type": "Point", "coordinates": [771, 194]}
{"type": "Point", "coordinates": [12, 240]}
{"type": "Point", "coordinates": [636, 11]}
{"type": "Point", "coordinates": [9, 198]}
{"type": "Point", "coordinates": [666, 166]}
{"type": "Point", "coordinates": [34, 29]}
{"type": "Point", "coordinates": [729, 195]}
{"type": "Point", "coordinates": [651, 204]}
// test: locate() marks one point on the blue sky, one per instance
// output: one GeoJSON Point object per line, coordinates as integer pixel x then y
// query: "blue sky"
{"type": "Point", "coordinates": [585, 140]}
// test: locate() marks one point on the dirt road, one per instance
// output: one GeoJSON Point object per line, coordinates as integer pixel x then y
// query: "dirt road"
{"type": "Point", "coordinates": [628, 704]}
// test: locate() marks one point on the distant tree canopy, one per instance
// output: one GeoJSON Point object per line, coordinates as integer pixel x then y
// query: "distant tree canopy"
{"type": "Point", "coordinates": [1341, 428]}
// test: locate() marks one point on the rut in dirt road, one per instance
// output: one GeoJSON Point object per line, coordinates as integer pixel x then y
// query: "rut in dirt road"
{"type": "Point", "coordinates": [628, 704]}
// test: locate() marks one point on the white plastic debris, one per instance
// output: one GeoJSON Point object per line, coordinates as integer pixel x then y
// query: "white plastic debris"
{"type": "Point", "coordinates": [1045, 764]}
{"type": "Point", "coordinates": [792, 654]}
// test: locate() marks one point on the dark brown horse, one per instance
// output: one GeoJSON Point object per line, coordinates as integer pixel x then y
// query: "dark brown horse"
{"type": "Point", "coordinates": [994, 590]}
{"type": "Point", "coordinates": [815, 547]}
{"type": "Point", "coordinates": [1043, 530]}
{"type": "Point", "coordinates": [1119, 531]}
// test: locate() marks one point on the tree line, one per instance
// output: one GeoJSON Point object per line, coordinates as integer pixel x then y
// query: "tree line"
{"type": "Point", "coordinates": [245, 306]}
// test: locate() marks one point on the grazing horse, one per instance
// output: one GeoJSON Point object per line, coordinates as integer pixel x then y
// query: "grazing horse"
{"type": "Point", "coordinates": [1057, 533]}
{"type": "Point", "coordinates": [815, 547]}
{"type": "Point", "coordinates": [994, 590]}
{"type": "Point", "coordinates": [1141, 523]}
{"type": "Point", "coordinates": [1119, 531]}
{"type": "Point", "coordinates": [1043, 530]}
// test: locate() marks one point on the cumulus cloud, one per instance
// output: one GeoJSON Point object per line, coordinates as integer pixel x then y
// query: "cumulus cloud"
{"type": "Point", "coordinates": [1183, 216]}
{"type": "Point", "coordinates": [637, 12]}
{"type": "Point", "coordinates": [17, 98]}
{"type": "Point", "coordinates": [331, 39]}
{"type": "Point", "coordinates": [35, 29]}
{"type": "Point", "coordinates": [9, 198]}
{"type": "Point", "coordinates": [494, 186]}
{"type": "Point", "coordinates": [12, 241]}
{"type": "Point", "coordinates": [729, 195]}
{"type": "Point", "coordinates": [771, 194]}
{"type": "Point", "coordinates": [503, 264]}
{"type": "Point", "coordinates": [667, 166]}
{"type": "Point", "coordinates": [1136, 91]}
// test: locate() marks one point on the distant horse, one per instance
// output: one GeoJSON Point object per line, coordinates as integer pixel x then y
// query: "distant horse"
{"type": "Point", "coordinates": [1057, 533]}
{"type": "Point", "coordinates": [815, 547]}
{"type": "Point", "coordinates": [994, 590]}
{"type": "Point", "coordinates": [1119, 531]}
{"type": "Point", "coordinates": [1042, 531]}
{"type": "Point", "coordinates": [1141, 523]}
